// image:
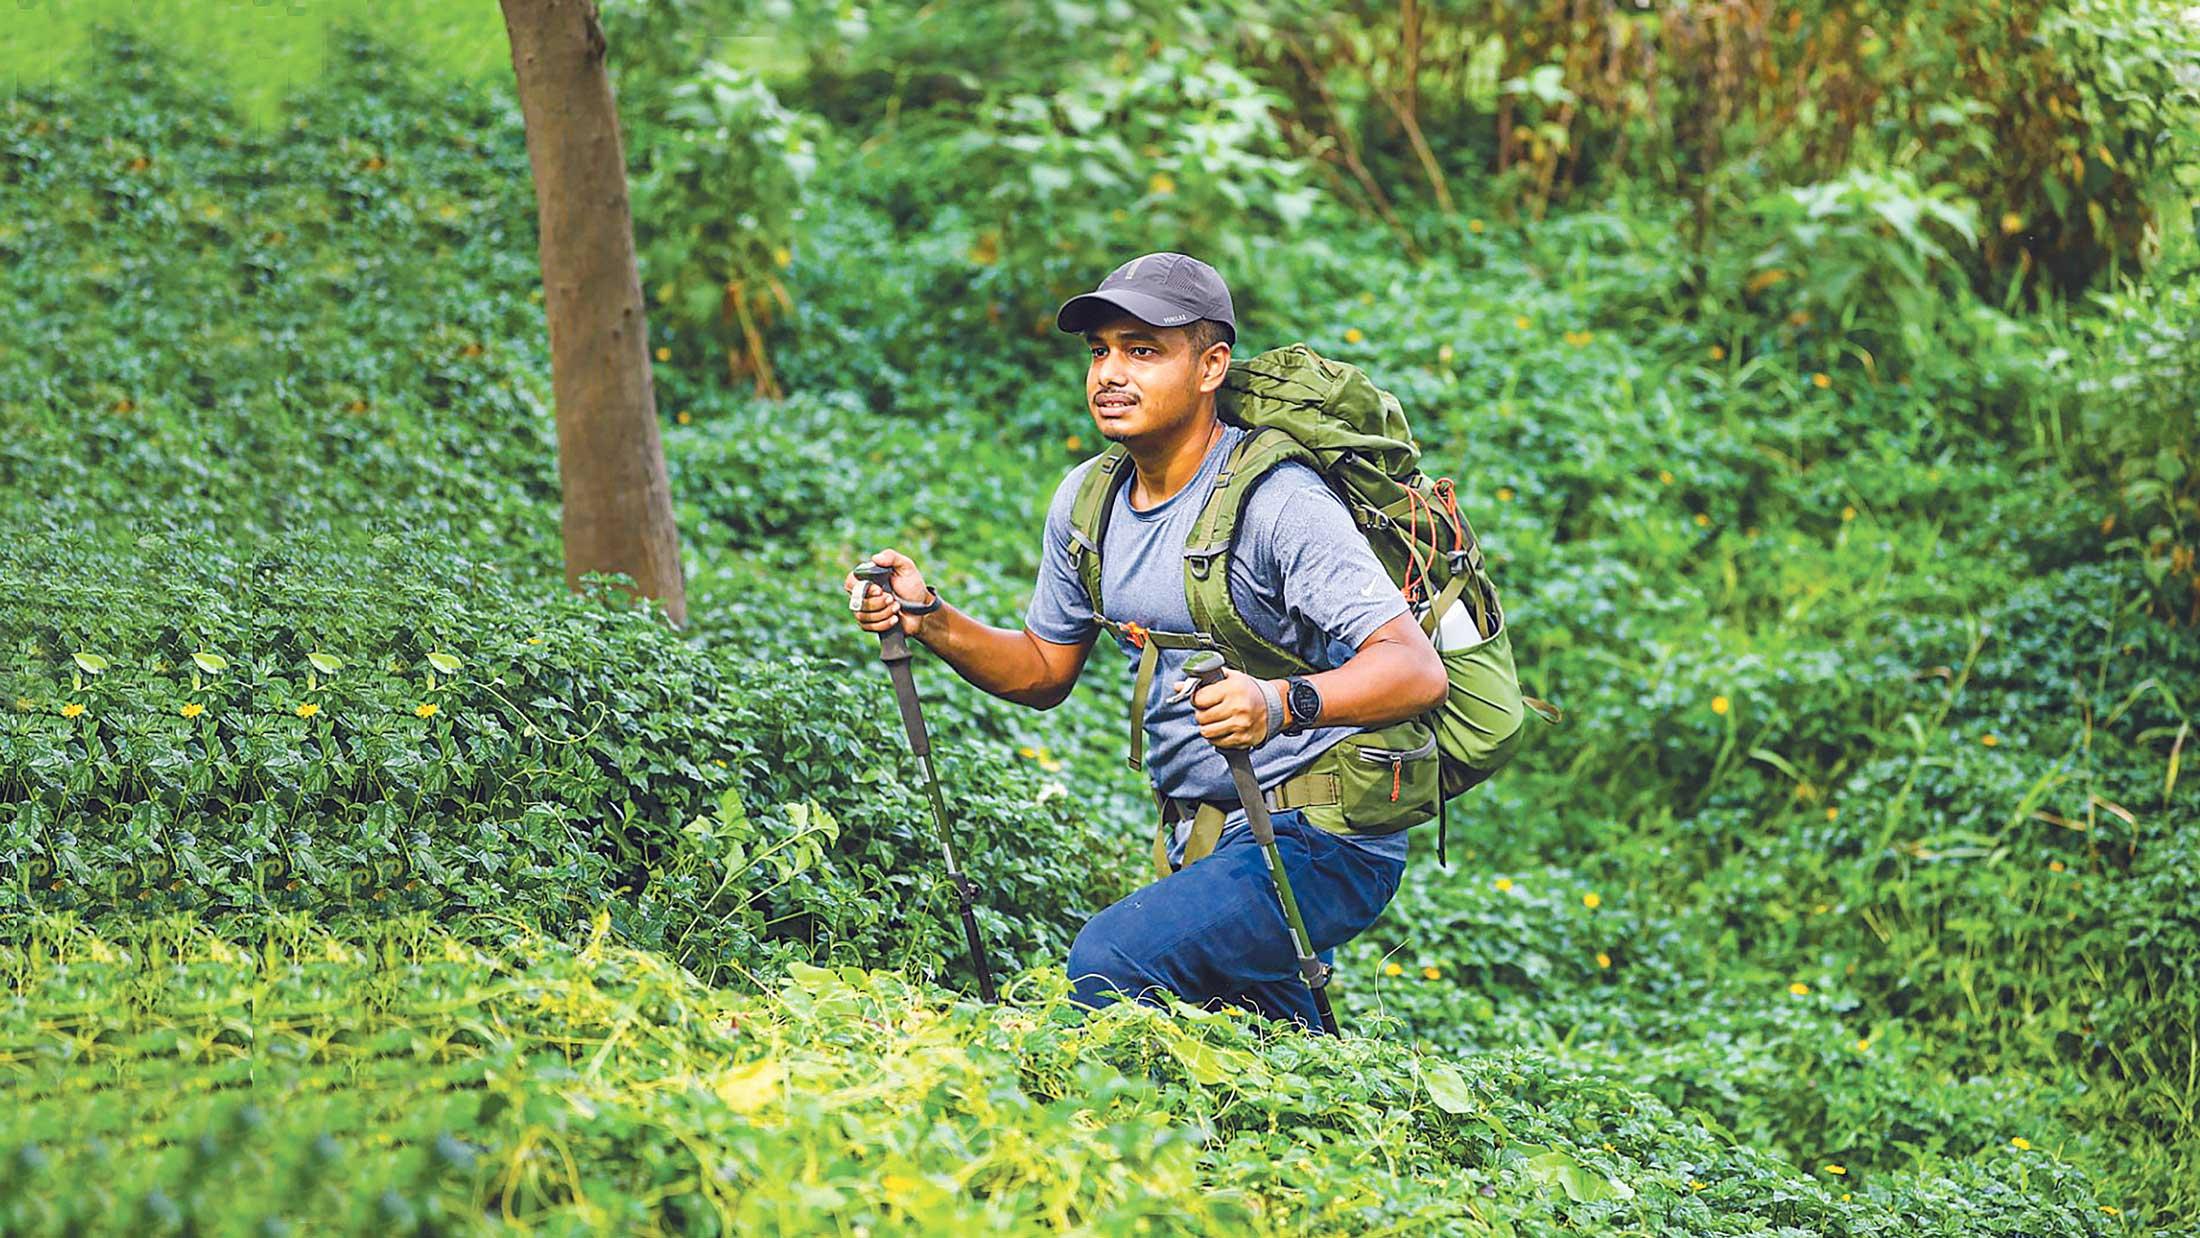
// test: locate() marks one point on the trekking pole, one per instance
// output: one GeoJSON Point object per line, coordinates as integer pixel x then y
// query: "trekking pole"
{"type": "Point", "coordinates": [1206, 667]}
{"type": "Point", "coordinates": [893, 650]}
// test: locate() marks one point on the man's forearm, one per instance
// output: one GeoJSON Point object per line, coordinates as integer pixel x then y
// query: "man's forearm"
{"type": "Point", "coordinates": [1387, 681]}
{"type": "Point", "coordinates": [1004, 661]}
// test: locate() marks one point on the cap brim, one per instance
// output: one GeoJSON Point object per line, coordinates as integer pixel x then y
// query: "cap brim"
{"type": "Point", "coordinates": [1082, 313]}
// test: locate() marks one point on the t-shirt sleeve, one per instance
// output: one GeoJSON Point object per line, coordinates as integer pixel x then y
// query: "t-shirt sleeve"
{"type": "Point", "coordinates": [1060, 611]}
{"type": "Point", "coordinates": [1329, 577]}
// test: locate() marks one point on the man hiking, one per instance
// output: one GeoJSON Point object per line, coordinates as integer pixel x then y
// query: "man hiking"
{"type": "Point", "coordinates": [1161, 329]}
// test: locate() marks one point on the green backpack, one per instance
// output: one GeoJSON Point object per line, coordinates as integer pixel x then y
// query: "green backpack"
{"type": "Point", "coordinates": [1300, 406]}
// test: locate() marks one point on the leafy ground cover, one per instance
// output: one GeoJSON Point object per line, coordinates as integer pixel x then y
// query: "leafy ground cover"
{"type": "Point", "coordinates": [1852, 896]}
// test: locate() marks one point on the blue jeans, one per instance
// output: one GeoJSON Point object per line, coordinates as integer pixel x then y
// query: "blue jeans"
{"type": "Point", "coordinates": [1214, 932]}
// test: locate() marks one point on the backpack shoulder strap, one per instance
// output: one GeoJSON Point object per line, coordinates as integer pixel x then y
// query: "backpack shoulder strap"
{"type": "Point", "coordinates": [1207, 556]}
{"type": "Point", "coordinates": [1088, 517]}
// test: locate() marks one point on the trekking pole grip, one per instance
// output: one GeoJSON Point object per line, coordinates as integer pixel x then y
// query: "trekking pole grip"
{"type": "Point", "coordinates": [893, 650]}
{"type": "Point", "coordinates": [892, 645]}
{"type": "Point", "coordinates": [1207, 668]}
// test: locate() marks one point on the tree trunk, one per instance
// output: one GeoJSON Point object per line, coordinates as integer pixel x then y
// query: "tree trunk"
{"type": "Point", "coordinates": [611, 462]}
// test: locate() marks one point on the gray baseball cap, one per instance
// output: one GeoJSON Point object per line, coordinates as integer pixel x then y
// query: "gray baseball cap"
{"type": "Point", "coordinates": [1164, 290]}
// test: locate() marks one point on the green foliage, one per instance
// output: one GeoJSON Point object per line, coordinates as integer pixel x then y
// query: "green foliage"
{"type": "Point", "coordinates": [408, 1079]}
{"type": "Point", "coordinates": [1850, 583]}
{"type": "Point", "coordinates": [262, 51]}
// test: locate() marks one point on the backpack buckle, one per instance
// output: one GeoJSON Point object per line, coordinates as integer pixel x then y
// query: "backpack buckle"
{"type": "Point", "coordinates": [1202, 559]}
{"type": "Point", "coordinates": [1136, 634]}
{"type": "Point", "coordinates": [1459, 560]}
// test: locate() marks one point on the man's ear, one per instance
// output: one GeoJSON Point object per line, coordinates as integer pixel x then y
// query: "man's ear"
{"type": "Point", "coordinates": [1214, 366]}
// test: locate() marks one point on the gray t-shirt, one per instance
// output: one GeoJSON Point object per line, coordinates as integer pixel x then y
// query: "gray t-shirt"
{"type": "Point", "coordinates": [1301, 574]}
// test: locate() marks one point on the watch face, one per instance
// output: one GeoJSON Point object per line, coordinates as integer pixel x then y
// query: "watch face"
{"type": "Point", "coordinates": [1306, 704]}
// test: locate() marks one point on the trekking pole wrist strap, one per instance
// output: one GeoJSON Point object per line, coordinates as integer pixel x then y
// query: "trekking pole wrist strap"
{"type": "Point", "coordinates": [1274, 697]}
{"type": "Point", "coordinates": [930, 603]}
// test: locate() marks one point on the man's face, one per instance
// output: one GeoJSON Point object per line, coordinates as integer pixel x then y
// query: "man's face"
{"type": "Point", "coordinates": [1146, 380]}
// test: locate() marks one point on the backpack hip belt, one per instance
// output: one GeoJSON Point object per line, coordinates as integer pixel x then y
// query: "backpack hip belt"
{"type": "Point", "coordinates": [1312, 788]}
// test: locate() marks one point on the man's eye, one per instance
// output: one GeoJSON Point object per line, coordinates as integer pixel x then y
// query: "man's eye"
{"type": "Point", "coordinates": [1139, 350]}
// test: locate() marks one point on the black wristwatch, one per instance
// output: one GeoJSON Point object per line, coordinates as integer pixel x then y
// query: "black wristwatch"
{"type": "Point", "coordinates": [1305, 702]}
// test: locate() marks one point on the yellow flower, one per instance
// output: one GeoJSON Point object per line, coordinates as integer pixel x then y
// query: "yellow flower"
{"type": "Point", "coordinates": [683, 417]}
{"type": "Point", "coordinates": [426, 709]}
{"type": "Point", "coordinates": [1836, 1170]}
{"type": "Point", "coordinates": [2011, 223]}
{"type": "Point", "coordinates": [1430, 973]}
{"type": "Point", "coordinates": [308, 709]}
{"type": "Point", "coordinates": [664, 354]}
{"type": "Point", "coordinates": [783, 255]}
{"type": "Point", "coordinates": [2112, 1211]}
{"type": "Point", "coordinates": [1074, 442]}
{"type": "Point", "coordinates": [1474, 226]}
{"type": "Point", "coordinates": [534, 640]}
{"type": "Point", "coordinates": [71, 710]}
{"type": "Point", "coordinates": [1718, 352]}
{"type": "Point", "coordinates": [1832, 813]}
{"type": "Point", "coordinates": [1504, 494]}
{"type": "Point", "coordinates": [1799, 989]}
{"type": "Point", "coordinates": [1863, 1046]}
{"type": "Point", "coordinates": [1503, 884]}
{"type": "Point", "coordinates": [1603, 959]}
{"type": "Point", "coordinates": [1719, 705]}
{"type": "Point", "coordinates": [1393, 969]}
{"type": "Point", "coordinates": [2054, 866]}
{"type": "Point", "coordinates": [1521, 321]}
{"type": "Point", "coordinates": [1665, 476]}
{"type": "Point", "coordinates": [1988, 740]}
{"type": "Point", "coordinates": [1703, 520]}
{"type": "Point", "coordinates": [2020, 1143]}
{"type": "Point", "coordinates": [1160, 184]}
{"type": "Point", "coordinates": [192, 710]}
{"type": "Point", "coordinates": [720, 762]}
{"type": "Point", "coordinates": [1591, 900]}
{"type": "Point", "coordinates": [1028, 753]}
{"type": "Point", "coordinates": [1444, 354]}
{"type": "Point", "coordinates": [1821, 380]}
{"type": "Point", "coordinates": [1352, 335]}
{"type": "Point", "coordinates": [1695, 1185]}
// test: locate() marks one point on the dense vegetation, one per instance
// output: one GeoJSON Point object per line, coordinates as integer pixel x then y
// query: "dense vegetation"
{"type": "Point", "coordinates": [354, 874]}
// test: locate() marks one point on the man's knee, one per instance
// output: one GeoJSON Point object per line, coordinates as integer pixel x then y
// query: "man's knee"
{"type": "Point", "coordinates": [1102, 962]}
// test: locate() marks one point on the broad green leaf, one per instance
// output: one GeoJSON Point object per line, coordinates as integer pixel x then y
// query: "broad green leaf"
{"type": "Point", "coordinates": [816, 980]}
{"type": "Point", "coordinates": [443, 662]}
{"type": "Point", "coordinates": [211, 663]}
{"type": "Point", "coordinates": [327, 664]}
{"type": "Point", "coordinates": [1207, 1063]}
{"type": "Point", "coordinates": [1447, 1088]}
{"type": "Point", "coordinates": [1581, 1185]}
{"type": "Point", "coordinates": [91, 662]}
{"type": "Point", "coordinates": [750, 1087]}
